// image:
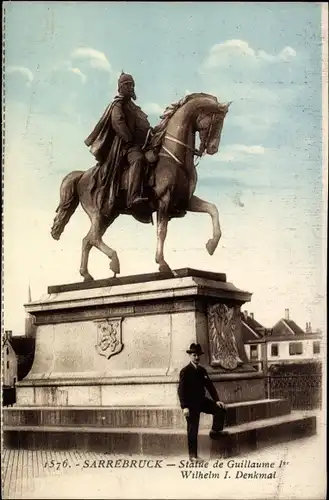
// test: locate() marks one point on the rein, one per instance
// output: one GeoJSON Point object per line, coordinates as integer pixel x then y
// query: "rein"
{"type": "Point", "coordinates": [174, 157]}
{"type": "Point", "coordinates": [196, 152]}
{"type": "Point", "coordinates": [174, 139]}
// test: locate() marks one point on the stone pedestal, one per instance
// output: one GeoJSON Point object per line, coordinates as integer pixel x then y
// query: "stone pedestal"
{"type": "Point", "coordinates": [107, 361]}
{"type": "Point", "coordinates": [123, 341]}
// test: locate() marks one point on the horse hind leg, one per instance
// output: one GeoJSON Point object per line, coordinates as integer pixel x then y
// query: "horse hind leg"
{"type": "Point", "coordinates": [86, 247]}
{"type": "Point", "coordinates": [111, 254]}
{"type": "Point", "coordinates": [94, 238]}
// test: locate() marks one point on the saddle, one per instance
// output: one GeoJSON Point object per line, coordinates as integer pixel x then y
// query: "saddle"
{"type": "Point", "coordinates": [143, 212]}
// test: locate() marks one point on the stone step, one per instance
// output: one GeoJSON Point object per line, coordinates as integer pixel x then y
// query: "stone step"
{"type": "Point", "coordinates": [161, 442]}
{"type": "Point", "coordinates": [147, 416]}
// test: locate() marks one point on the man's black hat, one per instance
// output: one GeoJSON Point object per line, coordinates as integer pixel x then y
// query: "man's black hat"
{"type": "Point", "coordinates": [195, 349]}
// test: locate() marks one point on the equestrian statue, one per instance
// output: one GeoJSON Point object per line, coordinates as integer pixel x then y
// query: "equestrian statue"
{"type": "Point", "coordinates": [141, 170]}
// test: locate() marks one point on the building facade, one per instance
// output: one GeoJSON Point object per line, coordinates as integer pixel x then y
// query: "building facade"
{"type": "Point", "coordinates": [9, 374]}
{"type": "Point", "coordinates": [285, 343]}
{"type": "Point", "coordinates": [292, 349]}
{"type": "Point", "coordinates": [17, 357]}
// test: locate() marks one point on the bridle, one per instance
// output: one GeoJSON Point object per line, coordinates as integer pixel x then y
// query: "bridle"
{"type": "Point", "coordinates": [171, 138]}
{"type": "Point", "coordinates": [196, 152]}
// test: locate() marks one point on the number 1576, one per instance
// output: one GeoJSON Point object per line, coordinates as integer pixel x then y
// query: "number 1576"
{"type": "Point", "coordinates": [56, 465]}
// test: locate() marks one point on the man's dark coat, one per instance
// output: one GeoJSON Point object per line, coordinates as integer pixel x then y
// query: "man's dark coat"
{"type": "Point", "coordinates": [193, 383]}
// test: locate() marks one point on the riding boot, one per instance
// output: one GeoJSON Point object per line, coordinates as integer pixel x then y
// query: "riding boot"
{"type": "Point", "coordinates": [135, 178]}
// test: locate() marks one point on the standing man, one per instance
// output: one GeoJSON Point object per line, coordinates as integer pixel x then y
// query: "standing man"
{"type": "Point", "coordinates": [193, 382]}
{"type": "Point", "coordinates": [122, 132]}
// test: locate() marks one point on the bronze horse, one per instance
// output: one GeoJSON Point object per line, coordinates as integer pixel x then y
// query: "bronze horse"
{"type": "Point", "coordinates": [174, 180]}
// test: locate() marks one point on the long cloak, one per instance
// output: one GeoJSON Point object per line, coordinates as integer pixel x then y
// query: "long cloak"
{"type": "Point", "coordinates": [106, 146]}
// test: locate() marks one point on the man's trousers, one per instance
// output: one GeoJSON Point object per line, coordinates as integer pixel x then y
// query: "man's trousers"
{"type": "Point", "coordinates": [206, 406]}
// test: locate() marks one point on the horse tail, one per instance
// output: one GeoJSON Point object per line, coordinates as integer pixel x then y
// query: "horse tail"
{"type": "Point", "coordinates": [69, 200]}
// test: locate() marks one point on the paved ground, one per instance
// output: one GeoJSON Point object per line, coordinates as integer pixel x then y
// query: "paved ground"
{"type": "Point", "coordinates": [25, 475]}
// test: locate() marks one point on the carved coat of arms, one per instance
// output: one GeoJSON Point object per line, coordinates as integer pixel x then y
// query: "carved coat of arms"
{"type": "Point", "coordinates": [109, 337]}
{"type": "Point", "coordinates": [222, 324]}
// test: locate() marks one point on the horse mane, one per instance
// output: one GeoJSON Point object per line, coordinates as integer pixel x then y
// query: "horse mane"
{"type": "Point", "coordinates": [159, 130]}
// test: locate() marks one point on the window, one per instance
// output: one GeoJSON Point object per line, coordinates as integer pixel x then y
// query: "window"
{"type": "Point", "coordinates": [253, 352]}
{"type": "Point", "coordinates": [7, 351]}
{"type": "Point", "coordinates": [316, 347]}
{"type": "Point", "coordinates": [274, 350]}
{"type": "Point", "coordinates": [7, 365]}
{"type": "Point", "coordinates": [295, 348]}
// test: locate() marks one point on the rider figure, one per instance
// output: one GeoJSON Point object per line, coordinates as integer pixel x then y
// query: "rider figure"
{"type": "Point", "coordinates": [125, 126]}
{"type": "Point", "coordinates": [130, 124]}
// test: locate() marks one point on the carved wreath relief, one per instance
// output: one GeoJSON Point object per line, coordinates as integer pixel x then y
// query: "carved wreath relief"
{"type": "Point", "coordinates": [222, 324]}
{"type": "Point", "coordinates": [109, 337]}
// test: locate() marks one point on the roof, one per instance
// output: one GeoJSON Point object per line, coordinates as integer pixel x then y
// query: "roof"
{"type": "Point", "coordinates": [286, 327]}
{"type": "Point", "coordinates": [6, 343]}
{"type": "Point", "coordinates": [5, 340]}
{"type": "Point", "coordinates": [248, 333]}
{"type": "Point", "coordinates": [251, 329]}
{"type": "Point", "coordinates": [255, 325]}
{"type": "Point", "coordinates": [296, 329]}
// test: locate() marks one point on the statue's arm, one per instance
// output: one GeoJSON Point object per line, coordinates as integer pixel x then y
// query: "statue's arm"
{"type": "Point", "coordinates": [119, 123]}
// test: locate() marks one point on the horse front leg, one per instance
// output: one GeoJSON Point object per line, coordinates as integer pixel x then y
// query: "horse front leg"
{"type": "Point", "coordinates": [198, 205]}
{"type": "Point", "coordinates": [162, 226]}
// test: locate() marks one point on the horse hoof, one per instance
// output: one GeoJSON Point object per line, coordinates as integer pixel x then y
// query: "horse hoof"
{"type": "Point", "coordinates": [211, 246]}
{"type": "Point", "coordinates": [164, 268]}
{"type": "Point", "coordinates": [115, 266]}
{"type": "Point", "coordinates": [88, 278]}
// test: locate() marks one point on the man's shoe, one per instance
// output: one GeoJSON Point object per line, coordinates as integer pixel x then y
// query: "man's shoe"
{"type": "Point", "coordinates": [218, 434]}
{"type": "Point", "coordinates": [196, 459]}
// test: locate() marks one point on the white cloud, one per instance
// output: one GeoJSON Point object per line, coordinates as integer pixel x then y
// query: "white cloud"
{"type": "Point", "coordinates": [153, 108]}
{"type": "Point", "coordinates": [255, 122]}
{"type": "Point", "coordinates": [95, 58]}
{"type": "Point", "coordinates": [250, 80]}
{"type": "Point", "coordinates": [238, 152]}
{"type": "Point", "coordinates": [23, 71]}
{"type": "Point", "coordinates": [78, 72]}
{"type": "Point", "coordinates": [286, 55]}
{"type": "Point", "coordinates": [66, 65]}
{"type": "Point", "coordinates": [223, 54]}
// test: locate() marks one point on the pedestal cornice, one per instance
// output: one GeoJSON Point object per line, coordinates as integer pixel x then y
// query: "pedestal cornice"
{"type": "Point", "coordinates": [166, 290]}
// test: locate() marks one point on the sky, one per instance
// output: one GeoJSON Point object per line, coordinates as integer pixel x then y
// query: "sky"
{"type": "Point", "coordinates": [267, 180]}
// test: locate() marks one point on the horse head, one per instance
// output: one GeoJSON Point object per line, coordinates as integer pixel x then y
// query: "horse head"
{"type": "Point", "coordinates": [201, 111]}
{"type": "Point", "coordinates": [209, 123]}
